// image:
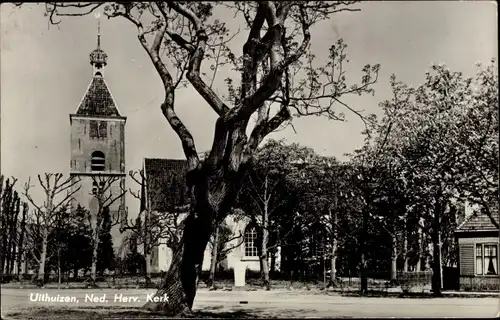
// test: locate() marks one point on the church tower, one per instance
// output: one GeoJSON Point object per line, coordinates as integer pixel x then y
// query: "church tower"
{"type": "Point", "coordinates": [98, 146]}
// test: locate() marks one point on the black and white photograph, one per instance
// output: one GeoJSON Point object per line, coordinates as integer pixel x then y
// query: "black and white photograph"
{"type": "Point", "coordinates": [249, 159]}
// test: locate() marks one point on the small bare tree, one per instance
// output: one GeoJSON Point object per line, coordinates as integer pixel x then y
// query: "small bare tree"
{"type": "Point", "coordinates": [153, 228]}
{"type": "Point", "coordinates": [104, 198]}
{"type": "Point", "coordinates": [43, 220]}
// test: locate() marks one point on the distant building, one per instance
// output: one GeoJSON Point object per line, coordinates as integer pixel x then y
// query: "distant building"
{"type": "Point", "coordinates": [478, 242]}
{"type": "Point", "coordinates": [166, 188]}
{"type": "Point", "coordinates": [98, 144]}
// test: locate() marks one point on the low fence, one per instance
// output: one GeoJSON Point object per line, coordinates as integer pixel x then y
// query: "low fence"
{"type": "Point", "coordinates": [105, 281]}
{"type": "Point", "coordinates": [479, 283]}
{"type": "Point", "coordinates": [380, 281]}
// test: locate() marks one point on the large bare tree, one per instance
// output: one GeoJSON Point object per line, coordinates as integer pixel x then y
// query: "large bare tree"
{"type": "Point", "coordinates": [279, 78]}
{"type": "Point", "coordinates": [43, 220]}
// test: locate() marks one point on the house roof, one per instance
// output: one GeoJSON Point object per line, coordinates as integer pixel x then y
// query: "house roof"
{"type": "Point", "coordinates": [98, 100]}
{"type": "Point", "coordinates": [479, 221]}
{"type": "Point", "coordinates": [165, 185]}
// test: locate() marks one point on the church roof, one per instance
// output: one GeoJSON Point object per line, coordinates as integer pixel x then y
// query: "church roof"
{"type": "Point", "coordinates": [98, 100]}
{"type": "Point", "coordinates": [165, 184]}
{"type": "Point", "coordinates": [479, 221]}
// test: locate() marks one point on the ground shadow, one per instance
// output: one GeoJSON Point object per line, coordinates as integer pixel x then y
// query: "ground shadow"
{"type": "Point", "coordinates": [411, 295]}
{"type": "Point", "coordinates": [381, 294]}
{"type": "Point", "coordinates": [103, 313]}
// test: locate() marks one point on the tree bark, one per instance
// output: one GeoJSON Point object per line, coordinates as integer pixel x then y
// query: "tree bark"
{"type": "Point", "coordinates": [20, 249]}
{"type": "Point", "coordinates": [394, 257]}
{"type": "Point", "coordinates": [147, 248]}
{"type": "Point", "coordinates": [436, 267]}
{"type": "Point", "coordinates": [213, 262]}
{"type": "Point", "coordinates": [43, 258]}
{"type": "Point", "coordinates": [11, 249]}
{"type": "Point", "coordinates": [147, 271]}
{"type": "Point", "coordinates": [179, 284]}
{"type": "Point", "coordinates": [364, 279]}
{"type": "Point", "coordinates": [405, 252]}
{"type": "Point", "coordinates": [58, 267]}
{"type": "Point", "coordinates": [436, 253]}
{"type": "Point", "coordinates": [273, 262]}
{"type": "Point", "coordinates": [95, 245]}
{"type": "Point", "coordinates": [333, 261]}
{"type": "Point", "coordinates": [265, 239]}
{"type": "Point", "coordinates": [405, 247]}
{"type": "Point", "coordinates": [420, 250]}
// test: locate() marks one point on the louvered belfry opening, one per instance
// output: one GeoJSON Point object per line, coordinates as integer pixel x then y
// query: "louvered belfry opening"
{"type": "Point", "coordinates": [98, 161]}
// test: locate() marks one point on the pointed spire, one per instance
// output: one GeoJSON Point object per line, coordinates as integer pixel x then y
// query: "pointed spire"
{"type": "Point", "coordinates": [98, 16]}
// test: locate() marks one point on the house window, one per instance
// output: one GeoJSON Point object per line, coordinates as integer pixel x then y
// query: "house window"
{"type": "Point", "coordinates": [97, 161]}
{"type": "Point", "coordinates": [486, 259]}
{"type": "Point", "coordinates": [98, 129]}
{"type": "Point", "coordinates": [250, 242]}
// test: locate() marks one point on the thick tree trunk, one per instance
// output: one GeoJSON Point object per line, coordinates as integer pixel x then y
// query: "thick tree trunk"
{"type": "Point", "coordinates": [7, 250]}
{"type": "Point", "coordinates": [147, 249]}
{"type": "Point", "coordinates": [147, 271]}
{"type": "Point", "coordinates": [213, 261]}
{"type": "Point", "coordinates": [405, 252]}
{"type": "Point", "coordinates": [436, 267]}
{"type": "Point", "coordinates": [405, 246]}
{"type": "Point", "coordinates": [273, 262]}
{"type": "Point", "coordinates": [264, 257]}
{"type": "Point", "coordinates": [333, 260]}
{"type": "Point", "coordinates": [420, 250]}
{"type": "Point", "coordinates": [394, 257]}
{"type": "Point", "coordinates": [265, 272]}
{"type": "Point", "coordinates": [364, 279]}
{"type": "Point", "coordinates": [178, 288]}
{"type": "Point", "coordinates": [265, 239]}
{"type": "Point", "coordinates": [93, 269]}
{"type": "Point", "coordinates": [21, 241]}
{"type": "Point", "coordinates": [58, 268]}
{"type": "Point", "coordinates": [436, 254]}
{"type": "Point", "coordinates": [43, 258]}
{"type": "Point", "coordinates": [13, 236]}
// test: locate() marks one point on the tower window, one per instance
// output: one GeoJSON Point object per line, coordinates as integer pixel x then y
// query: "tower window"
{"type": "Point", "coordinates": [94, 132]}
{"type": "Point", "coordinates": [98, 129]}
{"type": "Point", "coordinates": [98, 161]}
{"type": "Point", "coordinates": [103, 129]}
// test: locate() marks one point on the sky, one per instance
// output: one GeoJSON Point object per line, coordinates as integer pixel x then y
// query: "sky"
{"type": "Point", "coordinates": [45, 72]}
